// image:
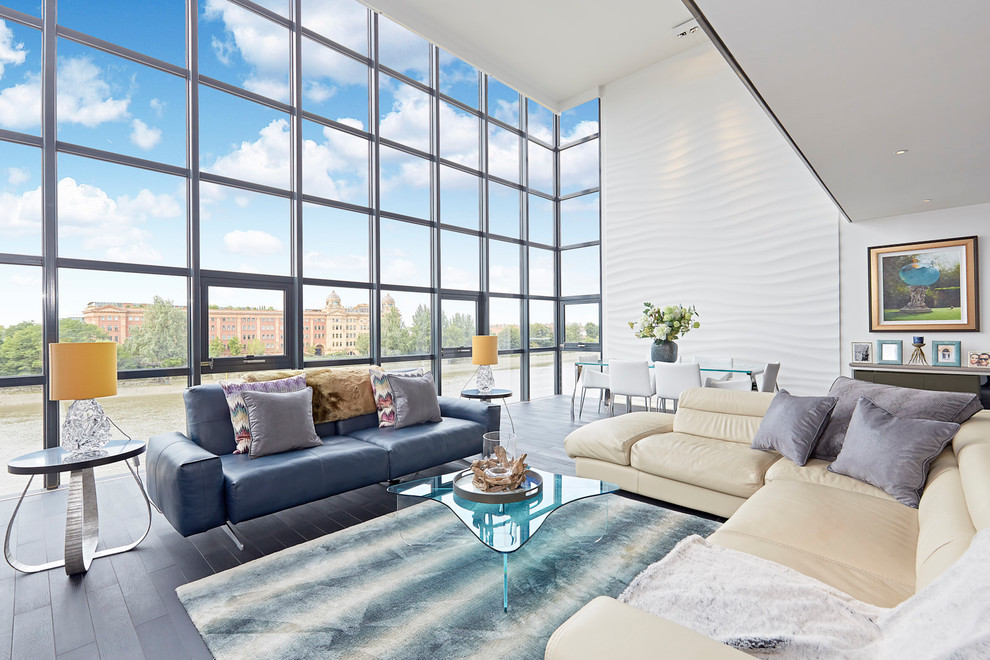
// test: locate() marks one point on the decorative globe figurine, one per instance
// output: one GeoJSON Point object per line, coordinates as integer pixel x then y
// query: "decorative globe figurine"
{"type": "Point", "coordinates": [919, 275]}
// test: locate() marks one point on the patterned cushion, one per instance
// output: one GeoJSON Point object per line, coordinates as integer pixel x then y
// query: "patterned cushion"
{"type": "Point", "coordinates": [234, 390]}
{"type": "Point", "coordinates": [384, 399]}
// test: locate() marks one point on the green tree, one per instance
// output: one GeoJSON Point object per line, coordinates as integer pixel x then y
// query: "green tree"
{"type": "Point", "coordinates": [234, 346]}
{"type": "Point", "coordinates": [217, 347]}
{"type": "Point", "coordinates": [161, 339]}
{"type": "Point", "coordinates": [420, 339]}
{"type": "Point", "coordinates": [20, 353]}
{"type": "Point", "coordinates": [572, 332]}
{"type": "Point", "coordinates": [457, 330]}
{"type": "Point", "coordinates": [256, 347]}
{"type": "Point", "coordinates": [591, 331]}
{"type": "Point", "coordinates": [509, 337]}
{"type": "Point", "coordinates": [362, 344]}
{"type": "Point", "coordinates": [74, 330]}
{"type": "Point", "coordinates": [540, 335]}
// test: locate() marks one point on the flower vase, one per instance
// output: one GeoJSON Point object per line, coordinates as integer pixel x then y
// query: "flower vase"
{"type": "Point", "coordinates": [663, 350]}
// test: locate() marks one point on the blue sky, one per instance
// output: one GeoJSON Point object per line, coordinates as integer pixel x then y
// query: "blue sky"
{"type": "Point", "coordinates": [118, 213]}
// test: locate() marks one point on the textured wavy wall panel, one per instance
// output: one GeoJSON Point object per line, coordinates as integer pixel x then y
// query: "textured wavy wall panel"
{"type": "Point", "coordinates": [705, 203]}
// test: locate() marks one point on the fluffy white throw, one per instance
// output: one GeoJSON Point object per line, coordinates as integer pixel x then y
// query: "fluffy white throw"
{"type": "Point", "coordinates": [772, 611]}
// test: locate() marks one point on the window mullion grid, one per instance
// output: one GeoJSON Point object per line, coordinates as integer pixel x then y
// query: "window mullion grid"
{"type": "Point", "coordinates": [374, 181]}
{"type": "Point", "coordinates": [195, 320]}
{"type": "Point", "coordinates": [523, 114]}
{"type": "Point", "coordinates": [294, 347]}
{"type": "Point", "coordinates": [559, 311]}
{"type": "Point", "coordinates": [435, 251]}
{"type": "Point", "coordinates": [49, 245]}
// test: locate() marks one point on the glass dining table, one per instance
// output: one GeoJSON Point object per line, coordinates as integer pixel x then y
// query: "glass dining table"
{"type": "Point", "coordinates": [752, 372]}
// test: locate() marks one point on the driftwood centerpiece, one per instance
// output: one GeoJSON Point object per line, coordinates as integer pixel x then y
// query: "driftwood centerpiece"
{"type": "Point", "coordinates": [487, 479]}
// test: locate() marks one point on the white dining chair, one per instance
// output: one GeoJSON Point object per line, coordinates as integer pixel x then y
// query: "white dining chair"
{"type": "Point", "coordinates": [672, 378]}
{"type": "Point", "coordinates": [630, 378]}
{"type": "Point", "coordinates": [766, 381]}
{"type": "Point", "coordinates": [592, 379]}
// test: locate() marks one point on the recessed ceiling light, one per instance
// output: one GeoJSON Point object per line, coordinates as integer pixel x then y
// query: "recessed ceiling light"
{"type": "Point", "coordinates": [900, 152]}
{"type": "Point", "coordinates": [925, 201]}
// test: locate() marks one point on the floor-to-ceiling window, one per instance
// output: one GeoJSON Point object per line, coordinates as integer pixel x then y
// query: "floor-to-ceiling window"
{"type": "Point", "coordinates": [221, 186]}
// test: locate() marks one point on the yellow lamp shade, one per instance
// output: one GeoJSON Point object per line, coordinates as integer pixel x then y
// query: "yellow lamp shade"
{"type": "Point", "coordinates": [484, 349]}
{"type": "Point", "coordinates": [82, 370]}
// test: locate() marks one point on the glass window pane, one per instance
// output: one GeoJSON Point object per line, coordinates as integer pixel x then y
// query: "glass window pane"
{"type": "Point", "coordinates": [579, 122]}
{"type": "Point", "coordinates": [540, 168]}
{"type": "Point", "coordinates": [335, 244]}
{"type": "Point", "coordinates": [457, 323]}
{"type": "Point", "coordinates": [458, 79]}
{"type": "Point", "coordinates": [334, 85]}
{"type": "Point", "coordinates": [541, 313]}
{"type": "Point", "coordinates": [405, 113]}
{"type": "Point", "coordinates": [243, 231]}
{"type": "Point", "coordinates": [459, 261]}
{"type": "Point", "coordinates": [539, 121]}
{"type": "Point", "coordinates": [145, 315]}
{"type": "Point", "coordinates": [503, 274]}
{"type": "Point", "coordinates": [402, 51]}
{"type": "Point", "coordinates": [579, 219]}
{"type": "Point", "coordinates": [541, 220]}
{"type": "Point", "coordinates": [114, 104]}
{"type": "Point", "coordinates": [459, 135]}
{"type": "Point", "coordinates": [405, 253]}
{"type": "Point", "coordinates": [22, 416]}
{"type": "Point", "coordinates": [281, 7]}
{"type": "Point", "coordinates": [253, 148]}
{"type": "Point", "coordinates": [503, 153]}
{"type": "Point", "coordinates": [579, 167]}
{"type": "Point", "coordinates": [503, 210]}
{"type": "Point", "coordinates": [542, 374]}
{"type": "Point", "coordinates": [344, 21]}
{"type": "Point", "coordinates": [335, 164]}
{"type": "Point", "coordinates": [460, 196]}
{"type": "Point", "coordinates": [246, 322]}
{"type": "Point", "coordinates": [406, 324]}
{"type": "Point", "coordinates": [405, 183]}
{"type": "Point", "coordinates": [151, 27]}
{"type": "Point", "coordinates": [581, 323]}
{"type": "Point", "coordinates": [504, 321]}
{"type": "Point", "coordinates": [20, 82]}
{"type": "Point", "coordinates": [245, 49]}
{"type": "Point", "coordinates": [580, 271]}
{"type": "Point", "coordinates": [508, 374]}
{"type": "Point", "coordinates": [541, 272]}
{"type": "Point", "coordinates": [32, 7]}
{"type": "Point", "coordinates": [20, 199]}
{"type": "Point", "coordinates": [112, 212]}
{"type": "Point", "coordinates": [335, 322]}
{"type": "Point", "coordinates": [20, 321]}
{"type": "Point", "coordinates": [503, 102]}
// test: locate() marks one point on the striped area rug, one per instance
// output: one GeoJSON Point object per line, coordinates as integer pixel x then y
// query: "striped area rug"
{"type": "Point", "coordinates": [364, 593]}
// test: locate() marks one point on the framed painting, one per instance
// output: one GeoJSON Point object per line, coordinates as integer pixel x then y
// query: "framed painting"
{"type": "Point", "coordinates": [925, 286]}
{"type": "Point", "coordinates": [862, 351]}
{"type": "Point", "coordinates": [946, 353]}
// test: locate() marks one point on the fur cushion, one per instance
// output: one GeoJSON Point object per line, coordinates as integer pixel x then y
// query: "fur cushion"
{"type": "Point", "coordinates": [338, 392]}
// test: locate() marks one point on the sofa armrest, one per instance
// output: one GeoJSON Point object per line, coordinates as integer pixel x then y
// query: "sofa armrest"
{"type": "Point", "coordinates": [185, 482]}
{"type": "Point", "coordinates": [611, 439]}
{"type": "Point", "coordinates": [486, 414]}
{"type": "Point", "coordinates": [606, 628]}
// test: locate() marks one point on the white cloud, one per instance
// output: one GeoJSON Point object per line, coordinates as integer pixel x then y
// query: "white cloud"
{"type": "Point", "coordinates": [266, 160]}
{"type": "Point", "coordinates": [84, 97]}
{"type": "Point", "coordinates": [581, 129]}
{"type": "Point", "coordinates": [251, 242]}
{"type": "Point", "coordinates": [20, 105]}
{"type": "Point", "coordinates": [10, 52]}
{"type": "Point", "coordinates": [22, 213]}
{"type": "Point", "coordinates": [318, 92]}
{"type": "Point", "coordinates": [144, 136]}
{"type": "Point", "coordinates": [17, 175]}
{"type": "Point", "coordinates": [408, 120]}
{"type": "Point", "coordinates": [336, 265]}
{"type": "Point", "coordinates": [344, 21]}
{"type": "Point", "coordinates": [261, 43]}
{"type": "Point", "coordinates": [158, 106]}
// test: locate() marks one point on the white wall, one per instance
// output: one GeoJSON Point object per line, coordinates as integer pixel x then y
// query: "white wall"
{"type": "Point", "coordinates": [705, 203]}
{"type": "Point", "coordinates": [856, 238]}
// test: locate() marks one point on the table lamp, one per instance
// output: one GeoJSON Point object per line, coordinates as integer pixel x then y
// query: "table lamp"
{"type": "Point", "coordinates": [80, 372]}
{"type": "Point", "coordinates": [484, 352]}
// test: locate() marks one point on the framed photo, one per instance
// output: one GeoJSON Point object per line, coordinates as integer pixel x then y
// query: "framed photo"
{"type": "Point", "coordinates": [889, 351]}
{"type": "Point", "coordinates": [979, 359]}
{"type": "Point", "coordinates": [862, 351]}
{"type": "Point", "coordinates": [946, 354]}
{"type": "Point", "coordinates": [925, 286]}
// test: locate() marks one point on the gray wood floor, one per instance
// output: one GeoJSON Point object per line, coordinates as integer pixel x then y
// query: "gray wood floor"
{"type": "Point", "coordinates": [126, 607]}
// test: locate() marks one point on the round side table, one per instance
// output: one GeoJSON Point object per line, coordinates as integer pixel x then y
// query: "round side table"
{"type": "Point", "coordinates": [82, 519]}
{"type": "Point", "coordinates": [494, 393]}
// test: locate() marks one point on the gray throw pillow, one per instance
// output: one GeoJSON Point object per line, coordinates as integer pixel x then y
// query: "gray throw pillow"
{"type": "Point", "coordinates": [280, 421]}
{"type": "Point", "coordinates": [891, 453]}
{"type": "Point", "coordinates": [415, 399]}
{"type": "Point", "coordinates": [792, 425]}
{"type": "Point", "coordinates": [903, 402]}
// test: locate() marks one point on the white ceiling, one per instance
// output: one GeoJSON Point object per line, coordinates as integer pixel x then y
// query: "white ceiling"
{"type": "Point", "coordinates": [853, 81]}
{"type": "Point", "coordinates": [557, 52]}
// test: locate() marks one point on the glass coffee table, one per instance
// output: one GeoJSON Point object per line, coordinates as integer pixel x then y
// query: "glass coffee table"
{"type": "Point", "coordinates": [506, 527]}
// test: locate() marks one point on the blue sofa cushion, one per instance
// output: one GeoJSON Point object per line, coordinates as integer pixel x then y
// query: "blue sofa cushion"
{"type": "Point", "coordinates": [208, 419]}
{"type": "Point", "coordinates": [257, 487]}
{"type": "Point", "coordinates": [423, 446]}
{"type": "Point", "coordinates": [348, 426]}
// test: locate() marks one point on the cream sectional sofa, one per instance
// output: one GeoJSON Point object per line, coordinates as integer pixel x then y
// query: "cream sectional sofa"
{"type": "Point", "coordinates": [836, 529]}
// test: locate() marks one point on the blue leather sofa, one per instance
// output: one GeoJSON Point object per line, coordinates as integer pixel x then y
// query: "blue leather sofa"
{"type": "Point", "coordinates": [198, 483]}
